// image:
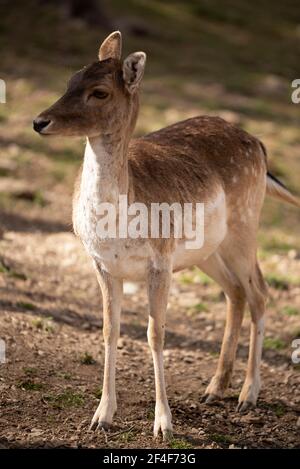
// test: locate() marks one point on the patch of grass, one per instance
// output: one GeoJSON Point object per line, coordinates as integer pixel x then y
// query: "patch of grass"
{"type": "Point", "coordinates": [35, 197]}
{"type": "Point", "coordinates": [197, 308]}
{"type": "Point", "coordinates": [59, 174]}
{"type": "Point", "coordinates": [4, 171]}
{"type": "Point", "coordinates": [272, 343]}
{"type": "Point", "coordinates": [98, 393]}
{"type": "Point", "coordinates": [26, 305]}
{"type": "Point", "coordinates": [276, 245]}
{"type": "Point", "coordinates": [67, 376]}
{"type": "Point", "coordinates": [43, 324]}
{"type": "Point", "coordinates": [63, 375]}
{"type": "Point", "coordinates": [221, 439]}
{"type": "Point", "coordinates": [17, 275]}
{"type": "Point", "coordinates": [277, 407]}
{"type": "Point", "coordinates": [151, 415]}
{"type": "Point", "coordinates": [51, 419]}
{"type": "Point", "coordinates": [30, 385]}
{"type": "Point", "coordinates": [7, 270]}
{"type": "Point", "coordinates": [30, 371]}
{"type": "Point", "coordinates": [127, 437]}
{"type": "Point", "coordinates": [277, 282]}
{"type": "Point", "coordinates": [3, 268]}
{"type": "Point", "coordinates": [186, 278]}
{"type": "Point", "coordinates": [201, 277]}
{"type": "Point", "coordinates": [65, 399]}
{"type": "Point", "coordinates": [279, 410]}
{"type": "Point", "coordinates": [39, 199]}
{"type": "Point", "coordinates": [195, 276]}
{"type": "Point", "coordinates": [180, 443]}
{"type": "Point", "coordinates": [87, 359]}
{"type": "Point", "coordinates": [290, 311]}
{"type": "Point", "coordinates": [38, 323]}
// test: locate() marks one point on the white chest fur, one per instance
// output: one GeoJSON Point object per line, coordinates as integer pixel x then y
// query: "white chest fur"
{"type": "Point", "coordinates": [99, 184]}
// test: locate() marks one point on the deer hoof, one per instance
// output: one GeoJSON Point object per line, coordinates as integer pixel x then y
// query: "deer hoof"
{"type": "Point", "coordinates": [167, 435]}
{"type": "Point", "coordinates": [210, 398]}
{"type": "Point", "coordinates": [245, 406]}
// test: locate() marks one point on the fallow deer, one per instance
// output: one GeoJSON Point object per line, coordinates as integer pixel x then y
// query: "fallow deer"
{"type": "Point", "coordinates": [202, 159]}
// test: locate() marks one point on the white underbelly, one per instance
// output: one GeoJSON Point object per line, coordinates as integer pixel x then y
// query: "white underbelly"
{"type": "Point", "coordinates": [129, 259]}
{"type": "Point", "coordinates": [123, 258]}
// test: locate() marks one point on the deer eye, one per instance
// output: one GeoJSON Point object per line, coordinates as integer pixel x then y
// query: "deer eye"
{"type": "Point", "coordinates": [99, 94]}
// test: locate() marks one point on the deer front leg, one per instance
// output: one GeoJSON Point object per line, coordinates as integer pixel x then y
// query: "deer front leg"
{"type": "Point", "coordinates": [112, 294]}
{"type": "Point", "coordinates": [158, 290]}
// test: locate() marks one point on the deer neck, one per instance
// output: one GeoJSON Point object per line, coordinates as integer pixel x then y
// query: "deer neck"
{"type": "Point", "coordinates": [105, 170]}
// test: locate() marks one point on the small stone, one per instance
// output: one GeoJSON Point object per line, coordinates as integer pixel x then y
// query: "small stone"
{"type": "Point", "coordinates": [251, 419]}
{"type": "Point", "coordinates": [121, 343]}
{"type": "Point", "coordinates": [188, 359]}
{"type": "Point", "coordinates": [36, 431]}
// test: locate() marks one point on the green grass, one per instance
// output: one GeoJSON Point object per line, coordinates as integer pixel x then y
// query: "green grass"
{"type": "Point", "coordinates": [26, 305]}
{"type": "Point", "coordinates": [151, 414]}
{"type": "Point", "coordinates": [180, 443]}
{"type": "Point", "coordinates": [98, 393]}
{"type": "Point", "coordinates": [278, 408]}
{"type": "Point", "coordinates": [67, 376]}
{"type": "Point", "coordinates": [198, 308]}
{"type": "Point", "coordinates": [7, 270]}
{"type": "Point", "coordinates": [221, 438]}
{"type": "Point", "coordinates": [128, 436]}
{"type": "Point", "coordinates": [30, 385]}
{"type": "Point", "coordinates": [65, 399]}
{"type": "Point", "coordinates": [44, 324]}
{"type": "Point", "coordinates": [277, 281]}
{"type": "Point", "coordinates": [30, 371]}
{"type": "Point", "coordinates": [272, 343]}
{"type": "Point", "coordinates": [290, 311]}
{"type": "Point", "coordinates": [87, 359]}
{"type": "Point", "coordinates": [195, 276]}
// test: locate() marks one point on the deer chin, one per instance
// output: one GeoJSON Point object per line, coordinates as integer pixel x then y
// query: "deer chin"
{"type": "Point", "coordinates": [56, 131]}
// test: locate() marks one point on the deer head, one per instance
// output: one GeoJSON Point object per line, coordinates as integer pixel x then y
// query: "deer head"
{"type": "Point", "coordinates": [100, 99]}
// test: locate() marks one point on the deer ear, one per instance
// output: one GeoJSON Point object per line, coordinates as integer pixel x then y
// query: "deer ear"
{"type": "Point", "coordinates": [111, 47]}
{"type": "Point", "coordinates": [133, 70]}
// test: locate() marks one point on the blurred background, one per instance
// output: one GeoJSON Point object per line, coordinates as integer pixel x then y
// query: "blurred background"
{"type": "Point", "coordinates": [231, 58]}
{"type": "Point", "coordinates": [227, 58]}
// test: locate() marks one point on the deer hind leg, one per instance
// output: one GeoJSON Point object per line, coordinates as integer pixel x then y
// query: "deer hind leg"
{"type": "Point", "coordinates": [158, 290]}
{"type": "Point", "coordinates": [236, 269]}
{"type": "Point", "coordinates": [256, 293]}
{"type": "Point", "coordinates": [216, 268]}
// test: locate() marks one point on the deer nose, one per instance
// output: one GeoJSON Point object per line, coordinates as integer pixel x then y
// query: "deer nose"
{"type": "Point", "coordinates": [39, 124]}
